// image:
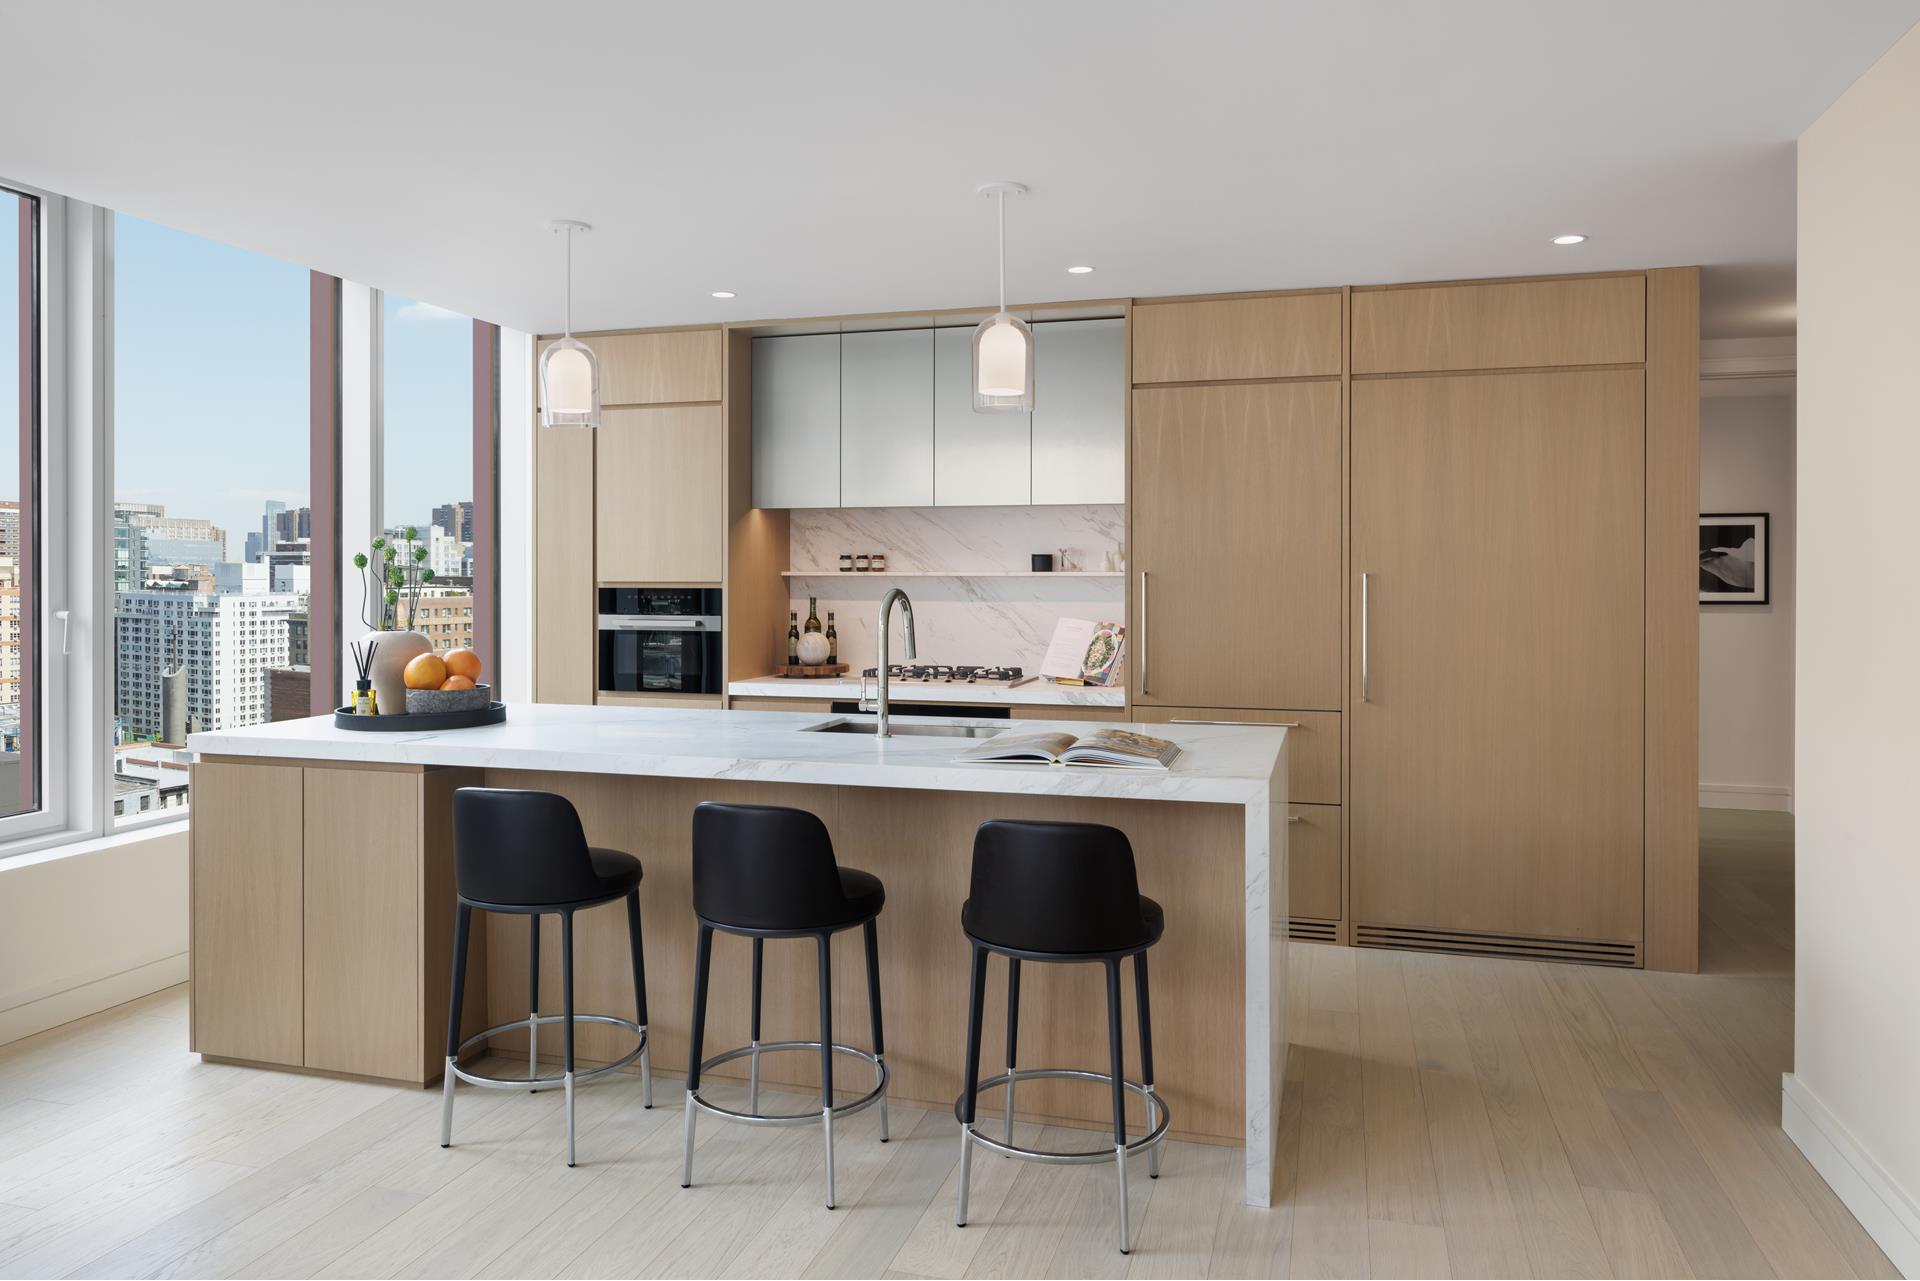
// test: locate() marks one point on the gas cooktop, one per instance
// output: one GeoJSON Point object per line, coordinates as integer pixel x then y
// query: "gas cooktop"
{"type": "Point", "coordinates": [941, 674]}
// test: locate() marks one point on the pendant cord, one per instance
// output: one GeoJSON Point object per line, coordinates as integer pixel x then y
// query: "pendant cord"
{"type": "Point", "coordinates": [1001, 199]}
{"type": "Point", "coordinates": [569, 282]}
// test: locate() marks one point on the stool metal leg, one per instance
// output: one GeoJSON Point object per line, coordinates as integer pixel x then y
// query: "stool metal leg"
{"type": "Point", "coordinates": [825, 942]}
{"type": "Point", "coordinates": [566, 996]}
{"type": "Point", "coordinates": [1013, 1034]}
{"type": "Point", "coordinates": [873, 1005]}
{"type": "Point", "coordinates": [1117, 1057]}
{"type": "Point", "coordinates": [1146, 1049]}
{"type": "Point", "coordinates": [702, 959]}
{"type": "Point", "coordinates": [640, 997]}
{"type": "Point", "coordinates": [533, 996]}
{"type": "Point", "coordinates": [975, 1001]}
{"type": "Point", "coordinates": [753, 1036]}
{"type": "Point", "coordinates": [462, 926]}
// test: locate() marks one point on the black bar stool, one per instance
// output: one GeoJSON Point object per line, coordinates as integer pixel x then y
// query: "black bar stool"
{"type": "Point", "coordinates": [524, 852]}
{"type": "Point", "coordinates": [766, 872]}
{"type": "Point", "coordinates": [1064, 892]}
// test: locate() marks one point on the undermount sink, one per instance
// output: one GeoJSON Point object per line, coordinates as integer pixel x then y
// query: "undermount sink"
{"type": "Point", "coordinates": [905, 731]}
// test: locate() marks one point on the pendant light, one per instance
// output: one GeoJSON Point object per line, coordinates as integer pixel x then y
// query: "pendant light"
{"type": "Point", "coordinates": [1002, 345]}
{"type": "Point", "coordinates": [569, 374]}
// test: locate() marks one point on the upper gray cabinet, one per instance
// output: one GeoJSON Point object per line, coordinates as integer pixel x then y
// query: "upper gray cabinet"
{"type": "Point", "coordinates": [1079, 411]}
{"type": "Point", "coordinates": [886, 419]}
{"type": "Point", "coordinates": [979, 460]}
{"type": "Point", "coordinates": [796, 421]}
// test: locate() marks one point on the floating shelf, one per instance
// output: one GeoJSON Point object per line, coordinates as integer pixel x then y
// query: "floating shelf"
{"type": "Point", "coordinates": [952, 573]}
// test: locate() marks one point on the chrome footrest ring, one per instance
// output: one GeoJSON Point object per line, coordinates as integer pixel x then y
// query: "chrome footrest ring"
{"type": "Point", "coordinates": [538, 1083]}
{"type": "Point", "coordinates": [848, 1108]}
{"type": "Point", "coordinates": [1157, 1117]}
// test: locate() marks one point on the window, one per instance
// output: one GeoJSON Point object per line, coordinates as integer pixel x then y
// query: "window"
{"type": "Point", "coordinates": [427, 374]}
{"type": "Point", "coordinates": [212, 527]}
{"type": "Point", "coordinates": [21, 757]}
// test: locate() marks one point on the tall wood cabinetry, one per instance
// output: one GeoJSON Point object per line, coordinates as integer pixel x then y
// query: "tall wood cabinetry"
{"type": "Point", "coordinates": [1440, 530]}
{"type": "Point", "coordinates": [641, 500]}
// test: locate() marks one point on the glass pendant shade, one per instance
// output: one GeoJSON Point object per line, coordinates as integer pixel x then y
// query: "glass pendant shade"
{"type": "Point", "coordinates": [569, 385]}
{"type": "Point", "coordinates": [1002, 365]}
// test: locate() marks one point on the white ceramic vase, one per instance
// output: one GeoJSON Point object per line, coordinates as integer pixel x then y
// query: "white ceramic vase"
{"type": "Point", "coordinates": [392, 651]}
{"type": "Point", "coordinates": [813, 649]}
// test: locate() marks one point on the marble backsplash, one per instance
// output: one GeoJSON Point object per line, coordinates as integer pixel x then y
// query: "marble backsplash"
{"type": "Point", "coordinates": [959, 618]}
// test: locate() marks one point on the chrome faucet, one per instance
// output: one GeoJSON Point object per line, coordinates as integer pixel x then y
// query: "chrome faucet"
{"type": "Point", "coordinates": [880, 664]}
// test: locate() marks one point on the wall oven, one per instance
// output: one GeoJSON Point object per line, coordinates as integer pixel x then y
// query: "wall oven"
{"type": "Point", "coordinates": [660, 640]}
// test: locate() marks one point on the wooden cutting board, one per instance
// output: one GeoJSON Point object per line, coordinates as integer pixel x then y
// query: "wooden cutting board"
{"type": "Point", "coordinates": [803, 672]}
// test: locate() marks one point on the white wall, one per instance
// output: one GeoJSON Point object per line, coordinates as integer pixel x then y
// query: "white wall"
{"type": "Point", "coordinates": [1853, 1099]}
{"type": "Point", "coordinates": [1746, 651]}
{"type": "Point", "coordinates": [84, 928]}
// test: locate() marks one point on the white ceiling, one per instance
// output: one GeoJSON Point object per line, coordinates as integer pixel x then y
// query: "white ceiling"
{"type": "Point", "coordinates": [820, 157]}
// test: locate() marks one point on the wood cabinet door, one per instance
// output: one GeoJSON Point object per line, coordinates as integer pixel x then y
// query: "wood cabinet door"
{"type": "Point", "coordinates": [563, 617]}
{"type": "Point", "coordinates": [886, 419]}
{"type": "Point", "coordinates": [659, 498]}
{"type": "Point", "coordinates": [245, 837]}
{"type": "Point", "coordinates": [1236, 557]}
{"type": "Point", "coordinates": [1313, 863]}
{"type": "Point", "coordinates": [1496, 724]}
{"type": "Point", "coordinates": [362, 922]}
{"type": "Point", "coordinates": [1313, 748]}
{"type": "Point", "coordinates": [1279, 336]}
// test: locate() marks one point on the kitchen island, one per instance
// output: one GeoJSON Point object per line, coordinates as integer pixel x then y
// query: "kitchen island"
{"type": "Point", "coordinates": [323, 900]}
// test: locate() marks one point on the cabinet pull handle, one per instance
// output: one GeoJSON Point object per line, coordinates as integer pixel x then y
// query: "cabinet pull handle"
{"type": "Point", "coordinates": [1365, 583]}
{"type": "Point", "coordinates": [1143, 632]}
{"type": "Point", "coordinates": [1293, 818]}
{"type": "Point", "coordinates": [1189, 720]}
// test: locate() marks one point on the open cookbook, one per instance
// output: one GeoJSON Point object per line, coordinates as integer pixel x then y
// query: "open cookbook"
{"type": "Point", "coordinates": [1111, 748]}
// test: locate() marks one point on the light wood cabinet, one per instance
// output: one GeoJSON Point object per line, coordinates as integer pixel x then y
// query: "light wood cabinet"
{"type": "Point", "coordinates": [1237, 546]}
{"type": "Point", "coordinates": [1518, 324]}
{"type": "Point", "coordinates": [1313, 748]}
{"type": "Point", "coordinates": [1498, 643]}
{"type": "Point", "coordinates": [1216, 339]}
{"type": "Point", "coordinates": [245, 843]}
{"type": "Point", "coordinates": [979, 460]}
{"type": "Point", "coordinates": [1314, 860]}
{"type": "Point", "coordinates": [1079, 411]}
{"type": "Point", "coordinates": [796, 421]}
{"type": "Point", "coordinates": [662, 367]}
{"type": "Point", "coordinates": [563, 639]}
{"type": "Point", "coordinates": [659, 497]}
{"type": "Point", "coordinates": [886, 419]}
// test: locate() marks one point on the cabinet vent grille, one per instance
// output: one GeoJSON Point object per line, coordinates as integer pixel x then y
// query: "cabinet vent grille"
{"type": "Point", "coordinates": [1532, 947]}
{"type": "Point", "coordinates": [1311, 931]}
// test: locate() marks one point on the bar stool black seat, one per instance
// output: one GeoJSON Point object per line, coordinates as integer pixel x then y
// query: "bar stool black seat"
{"type": "Point", "coordinates": [524, 852]}
{"type": "Point", "coordinates": [1064, 893]}
{"type": "Point", "coordinates": [768, 872]}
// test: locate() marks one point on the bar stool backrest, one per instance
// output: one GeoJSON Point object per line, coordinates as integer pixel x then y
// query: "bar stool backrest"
{"type": "Point", "coordinates": [1055, 887]}
{"type": "Point", "coordinates": [517, 847]}
{"type": "Point", "coordinates": [763, 867]}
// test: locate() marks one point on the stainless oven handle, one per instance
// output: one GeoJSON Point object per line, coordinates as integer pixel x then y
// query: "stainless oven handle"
{"type": "Point", "coordinates": [1190, 720]}
{"type": "Point", "coordinates": [650, 623]}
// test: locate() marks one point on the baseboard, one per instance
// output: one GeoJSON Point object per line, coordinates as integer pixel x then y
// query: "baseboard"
{"type": "Point", "coordinates": [91, 998]}
{"type": "Point", "coordinates": [1746, 796]}
{"type": "Point", "coordinates": [1884, 1209]}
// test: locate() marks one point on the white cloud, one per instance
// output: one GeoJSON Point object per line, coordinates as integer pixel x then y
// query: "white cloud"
{"type": "Point", "coordinates": [426, 311]}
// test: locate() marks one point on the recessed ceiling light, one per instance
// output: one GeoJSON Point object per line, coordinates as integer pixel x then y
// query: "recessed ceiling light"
{"type": "Point", "coordinates": [723, 293]}
{"type": "Point", "coordinates": [1078, 271]}
{"type": "Point", "coordinates": [1572, 238]}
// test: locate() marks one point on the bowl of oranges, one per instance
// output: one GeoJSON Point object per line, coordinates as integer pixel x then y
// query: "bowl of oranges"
{"type": "Point", "coordinates": [448, 681]}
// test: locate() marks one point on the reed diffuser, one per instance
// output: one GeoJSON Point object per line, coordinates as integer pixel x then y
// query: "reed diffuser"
{"type": "Point", "coordinates": [363, 696]}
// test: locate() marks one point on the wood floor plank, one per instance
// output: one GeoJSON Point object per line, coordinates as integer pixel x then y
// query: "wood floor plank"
{"type": "Point", "coordinates": [1407, 1249]}
{"type": "Point", "coordinates": [1400, 1179]}
{"type": "Point", "coordinates": [1554, 1220]}
{"type": "Point", "coordinates": [937, 1247]}
{"type": "Point", "coordinates": [878, 1224]}
{"type": "Point", "coordinates": [1177, 1235]}
{"type": "Point", "coordinates": [1704, 1222]}
{"type": "Point", "coordinates": [1022, 1238]}
{"type": "Point", "coordinates": [1329, 1236]}
{"type": "Point", "coordinates": [1333, 978]}
{"type": "Point", "coordinates": [1639, 1241]}
{"type": "Point", "coordinates": [1483, 1228]}
{"type": "Point", "coordinates": [64, 1235]}
{"type": "Point", "coordinates": [1251, 1242]}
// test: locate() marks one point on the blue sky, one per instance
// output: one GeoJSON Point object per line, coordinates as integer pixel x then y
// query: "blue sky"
{"type": "Point", "coordinates": [210, 385]}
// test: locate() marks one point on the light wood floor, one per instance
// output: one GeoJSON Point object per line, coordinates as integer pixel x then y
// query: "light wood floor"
{"type": "Point", "coordinates": [1443, 1115]}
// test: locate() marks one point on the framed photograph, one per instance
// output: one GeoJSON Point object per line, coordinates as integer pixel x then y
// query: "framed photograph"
{"type": "Point", "coordinates": [1735, 564]}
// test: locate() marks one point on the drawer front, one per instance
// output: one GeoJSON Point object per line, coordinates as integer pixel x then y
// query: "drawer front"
{"type": "Point", "coordinates": [1297, 336]}
{"type": "Point", "coordinates": [777, 703]}
{"type": "Point", "coordinates": [1313, 749]}
{"type": "Point", "coordinates": [1313, 862]}
{"type": "Point", "coordinates": [1509, 325]}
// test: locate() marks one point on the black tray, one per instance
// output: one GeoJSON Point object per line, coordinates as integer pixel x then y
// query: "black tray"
{"type": "Point", "coordinates": [415, 722]}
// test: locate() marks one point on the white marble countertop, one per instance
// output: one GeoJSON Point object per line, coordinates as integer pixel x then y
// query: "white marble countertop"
{"type": "Point", "coordinates": [1037, 692]}
{"type": "Point", "coordinates": [1219, 764]}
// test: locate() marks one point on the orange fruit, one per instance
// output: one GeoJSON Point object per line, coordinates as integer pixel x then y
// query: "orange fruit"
{"type": "Point", "coordinates": [463, 662]}
{"type": "Point", "coordinates": [457, 682]}
{"type": "Point", "coordinates": [425, 671]}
